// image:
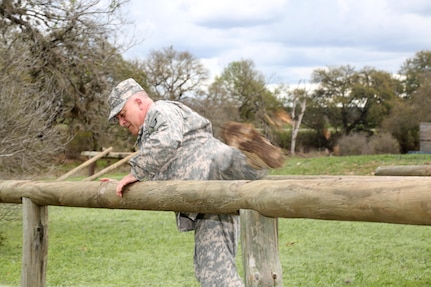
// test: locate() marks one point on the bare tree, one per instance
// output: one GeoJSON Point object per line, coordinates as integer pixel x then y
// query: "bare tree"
{"type": "Point", "coordinates": [28, 139]}
{"type": "Point", "coordinates": [217, 106]}
{"type": "Point", "coordinates": [174, 75]}
{"type": "Point", "coordinates": [299, 97]}
{"type": "Point", "coordinates": [59, 58]}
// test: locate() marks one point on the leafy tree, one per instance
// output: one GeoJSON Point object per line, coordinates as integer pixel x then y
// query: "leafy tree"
{"type": "Point", "coordinates": [415, 71]}
{"type": "Point", "coordinates": [353, 100]}
{"type": "Point", "coordinates": [414, 106]}
{"type": "Point", "coordinates": [246, 89]}
{"type": "Point", "coordinates": [403, 125]}
{"type": "Point", "coordinates": [404, 120]}
{"type": "Point", "coordinates": [174, 75]}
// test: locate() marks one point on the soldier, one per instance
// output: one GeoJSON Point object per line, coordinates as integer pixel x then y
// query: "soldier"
{"type": "Point", "coordinates": [176, 143]}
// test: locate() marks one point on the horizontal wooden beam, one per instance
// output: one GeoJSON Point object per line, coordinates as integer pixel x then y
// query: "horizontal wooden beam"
{"type": "Point", "coordinates": [405, 200]}
{"type": "Point", "coordinates": [85, 164]}
{"type": "Point", "coordinates": [404, 170]}
{"type": "Point", "coordinates": [112, 154]}
{"type": "Point", "coordinates": [111, 167]}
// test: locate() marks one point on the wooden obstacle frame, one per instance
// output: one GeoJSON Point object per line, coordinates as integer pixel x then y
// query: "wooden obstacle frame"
{"type": "Point", "coordinates": [387, 199]}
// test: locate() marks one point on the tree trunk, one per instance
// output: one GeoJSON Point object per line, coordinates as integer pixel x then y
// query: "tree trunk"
{"type": "Point", "coordinates": [296, 124]}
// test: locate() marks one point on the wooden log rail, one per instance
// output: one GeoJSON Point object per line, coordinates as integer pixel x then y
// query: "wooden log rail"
{"type": "Point", "coordinates": [404, 170]}
{"type": "Point", "coordinates": [390, 199]}
{"type": "Point", "coordinates": [110, 154]}
{"type": "Point", "coordinates": [95, 155]}
{"type": "Point", "coordinates": [405, 200]}
{"type": "Point", "coordinates": [89, 162]}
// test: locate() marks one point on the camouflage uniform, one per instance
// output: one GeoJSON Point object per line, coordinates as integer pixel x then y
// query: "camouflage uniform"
{"type": "Point", "coordinates": [176, 143]}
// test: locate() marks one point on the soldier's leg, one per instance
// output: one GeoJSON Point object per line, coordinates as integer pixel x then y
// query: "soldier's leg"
{"type": "Point", "coordinates": [216, 241]}
{"type": "Point", "coordinates": [231, 164]}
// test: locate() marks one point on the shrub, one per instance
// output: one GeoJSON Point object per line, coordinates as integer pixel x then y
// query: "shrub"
{"type": "Point", "coordinates": [361, 144]}
{"type": "Point", "coordinates": [383, 143]}
{"type": "Point", "coordinates": [306, 141]}
{"type": "Point", "coordinates": [282, 138]}
{"type": "Point", "coordinates": [82, 141]}
{"type": "Point", "coordinates": [353, 144]}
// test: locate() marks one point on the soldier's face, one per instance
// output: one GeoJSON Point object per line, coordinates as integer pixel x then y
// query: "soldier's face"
{"type": "Point", "coordinates": [129, 117]}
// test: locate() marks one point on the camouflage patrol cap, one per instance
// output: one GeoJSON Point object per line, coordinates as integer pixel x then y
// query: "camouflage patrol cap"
{"type": "Point", "coordinates": [119, 95]}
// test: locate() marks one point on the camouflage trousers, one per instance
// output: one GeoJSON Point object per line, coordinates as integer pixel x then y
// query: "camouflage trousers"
{"type": "Point", "coordinates": [216, 243]}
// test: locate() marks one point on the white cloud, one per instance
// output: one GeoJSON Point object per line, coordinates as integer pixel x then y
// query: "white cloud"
{"type": "Point", "coordinates": [231, 14]}
{"type": "Point", "coordinates": [288, 38]}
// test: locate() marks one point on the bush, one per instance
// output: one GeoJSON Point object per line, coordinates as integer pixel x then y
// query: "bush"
{"type": "Point", "coordinates": [354, 144]}
{"type": "Point", "coordinates": [306, 141]}
{"type": "Point", "coordinates": [82, 141]}
{"type": "Point", "coordinates": [361, 144]}
{"type": "Point", "coordinates": [383, 143]}
{"type": "Point", "coordinates": [282, 138]}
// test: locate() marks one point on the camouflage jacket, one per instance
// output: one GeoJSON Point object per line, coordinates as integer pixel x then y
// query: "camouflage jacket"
{"type": "Point", "coordinates": [176, 143]}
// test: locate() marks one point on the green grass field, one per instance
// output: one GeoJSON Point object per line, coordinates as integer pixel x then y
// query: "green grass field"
{"type": "Point", "coordinates": [98, 247]}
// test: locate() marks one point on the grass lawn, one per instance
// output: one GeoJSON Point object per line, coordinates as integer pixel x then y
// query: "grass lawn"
{"type": "Point", "coordinates": [98, 247]}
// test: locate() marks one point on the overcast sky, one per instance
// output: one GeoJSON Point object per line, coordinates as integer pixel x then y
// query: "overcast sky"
{"type": "Point", "coordinates": [286, 39]}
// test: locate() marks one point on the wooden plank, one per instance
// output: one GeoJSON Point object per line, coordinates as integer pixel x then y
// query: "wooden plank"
{"type": "Point", "coordinates": [35, 244]}
{"type": "Point", "coordinates": [391, 199]}
{"type": "Point", "coordinates": [85, 164]}
{"type": "Point", "coordinates": [111, 167]}
{"type": "Point", "coordinates": [116, 155]}
{"type": "Point", "coordinates": [404, 170]}
{"type": "Point", "coordinates": [259, 241]}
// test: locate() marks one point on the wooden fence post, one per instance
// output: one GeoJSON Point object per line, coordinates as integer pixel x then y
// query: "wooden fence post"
{"type": "Point", "coordinates": [259, 242]}
{"type": "Point", "coordinates": [35, 244]}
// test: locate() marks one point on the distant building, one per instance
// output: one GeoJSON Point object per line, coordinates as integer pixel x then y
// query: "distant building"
{"type": "Point", "coordinates": [425, 137]}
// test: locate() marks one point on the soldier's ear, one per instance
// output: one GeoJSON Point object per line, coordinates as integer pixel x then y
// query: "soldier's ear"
{"type": "Point", "coordinates": [137, 101]}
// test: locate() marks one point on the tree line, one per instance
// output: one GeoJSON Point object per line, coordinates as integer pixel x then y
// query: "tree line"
{"type": "Point", "coordinates": [60, 59]}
